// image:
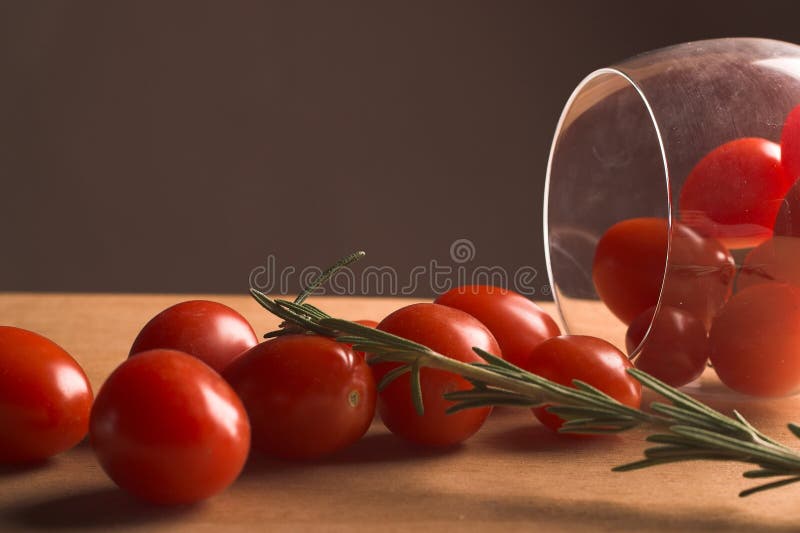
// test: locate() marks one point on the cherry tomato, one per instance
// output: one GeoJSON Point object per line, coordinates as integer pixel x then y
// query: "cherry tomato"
{"type": "Point", "coordinates": [210, 331]}
{"type": "Point", "coordinates": [517, 323]}
{"type": "Point", "coordinates": [307, 396]}
{"type": "Point", "coordinates": [787, 221]}
{"type": "Point", "coordinates": [774, 260]}
{"type": "Point", "coordinates": [370, 324]}
{"type": "Point", "coordinates": [629, 265]}
{"type": "Point", "coordinates": [45, 398]}
{"type": "Point", "coordinates": [452, 333]}
{"type": "Point", "coordinates": [790, 144]}
{"type": "Point", "coordinates": [755, 340]}
{"type": "Point", "coordinates": [676, 350]}
{"type": "Point", "coordinates": [589, 359]}
{"type": "Point", "coordinates": [734, 192]}
{"type": "Point", "coordinates": [168, 429]}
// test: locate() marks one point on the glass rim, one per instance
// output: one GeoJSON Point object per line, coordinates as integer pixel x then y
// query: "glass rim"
{"type": "Point", "coordinates": [579, 89]}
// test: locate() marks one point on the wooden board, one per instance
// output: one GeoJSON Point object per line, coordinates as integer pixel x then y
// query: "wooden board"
{"type": "Point", "coordinates": [512, 476]}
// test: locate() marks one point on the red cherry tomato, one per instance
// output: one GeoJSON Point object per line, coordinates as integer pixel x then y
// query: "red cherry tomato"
{"type": "Point", "coordinates": [45, 398]}
{"type": "Point", "coordinates": [517, 323]}
{"type": "Point", "coordinates": [369, 324]}
{"type": "Point", "coordinates": [787, 222]}
{"type": "Point", "coordinates": [307, 396]}
{"type": "Point", "coordinates": [629, 264]}
{"type": "Point", "coordinates": [452, 333]}
{"type": "Point", "coordinates": [589, 359]}
{"type": "Point", "coordinates": [676, 350]}
{"type": "Point", "coordinates": [755, 340]}
{"type": "Point", "coordinates": [734, 192]}
{"type": "Point", "coordinates": [790, 144]}
{"type": "Point", "coordinates": [774, 260]}
{"type": "Point", "coordinates": [210, 331]}
{"type": "Point", "coordinates": [700, 275]}
{"type": "Point", "coordinates": [168, 429]}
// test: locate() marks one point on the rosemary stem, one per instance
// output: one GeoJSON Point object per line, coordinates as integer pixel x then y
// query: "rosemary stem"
{"type": "Point", "coordinates": [523, 389]}
{"type": "Point", "coordinates": [440, 362]}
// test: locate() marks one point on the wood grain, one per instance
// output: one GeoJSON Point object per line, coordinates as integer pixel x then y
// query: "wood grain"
{"type": "Point", "coordinates": [512, 476]}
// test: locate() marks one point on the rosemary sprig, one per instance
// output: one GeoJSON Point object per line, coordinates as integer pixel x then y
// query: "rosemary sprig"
{"type": "Point", "coordinates": [684, 429]}
{"type": "Point", "coordinates": [326, 275]}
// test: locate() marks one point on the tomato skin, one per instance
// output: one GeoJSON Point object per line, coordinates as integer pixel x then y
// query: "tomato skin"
{"type": "Point", "coordinates": [676, 351]}
{"type": "Point", "coordinates": [755, 340]}
{"type": "Point", "coordinates": [628, 265]}
{"type": "Point", "coordinates": [369, 324]}
{"type": "Point", "coordinates": [517, 323]}
{"type": "Point", "coordinates": [630, 260]}
{"type": "Point", "coordinates": [210, 331]}
{"type": "Point", "coordinates": [701, 274]}
{"type": "Point", "coordinates": [45, 398]}
{"type": "Point", "coordinates": [452, 333]}
{"type": "Point", "coordinates": [168, 429]}
{"type": "Point", "coordinates": [773, 261]}
{"type": "Point", "coordinates": [790, 144]}
{"type": "Point", "coordinates": [787, 221]}
{"type": "Point", "coordinates": [734, 192]}
{"type": "Point", "coordinates": [589, 359]}
{"type": "Point", "coordinates": [307, 396]}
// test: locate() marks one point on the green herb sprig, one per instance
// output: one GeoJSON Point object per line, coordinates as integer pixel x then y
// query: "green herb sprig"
{"type": "Point", "coordinates": [683, 429]}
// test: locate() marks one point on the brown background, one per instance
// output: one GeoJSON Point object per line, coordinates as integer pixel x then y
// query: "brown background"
{"type": "Point", "coordinates": [171, 146]}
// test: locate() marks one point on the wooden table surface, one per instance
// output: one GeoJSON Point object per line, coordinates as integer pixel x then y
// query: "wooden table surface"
{"type": "Point", "coordinates": [512, 475]}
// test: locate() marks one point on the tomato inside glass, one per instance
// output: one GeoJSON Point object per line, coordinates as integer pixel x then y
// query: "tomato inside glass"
{"type": "Point", "coordinates": [790, 144]}
{"type": "Point", "coordinates": [676, 349]}
{"type": "Point", "coordinates": [629, 269]}
{"type": "Point", "coordinates": [787, 221]}
{"type": "Point", "coordinates": [755, 340]}
{"type": "Point", "coordinates": [775, 260]}
{"type": "Point", "coordinates": [733, 194]}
